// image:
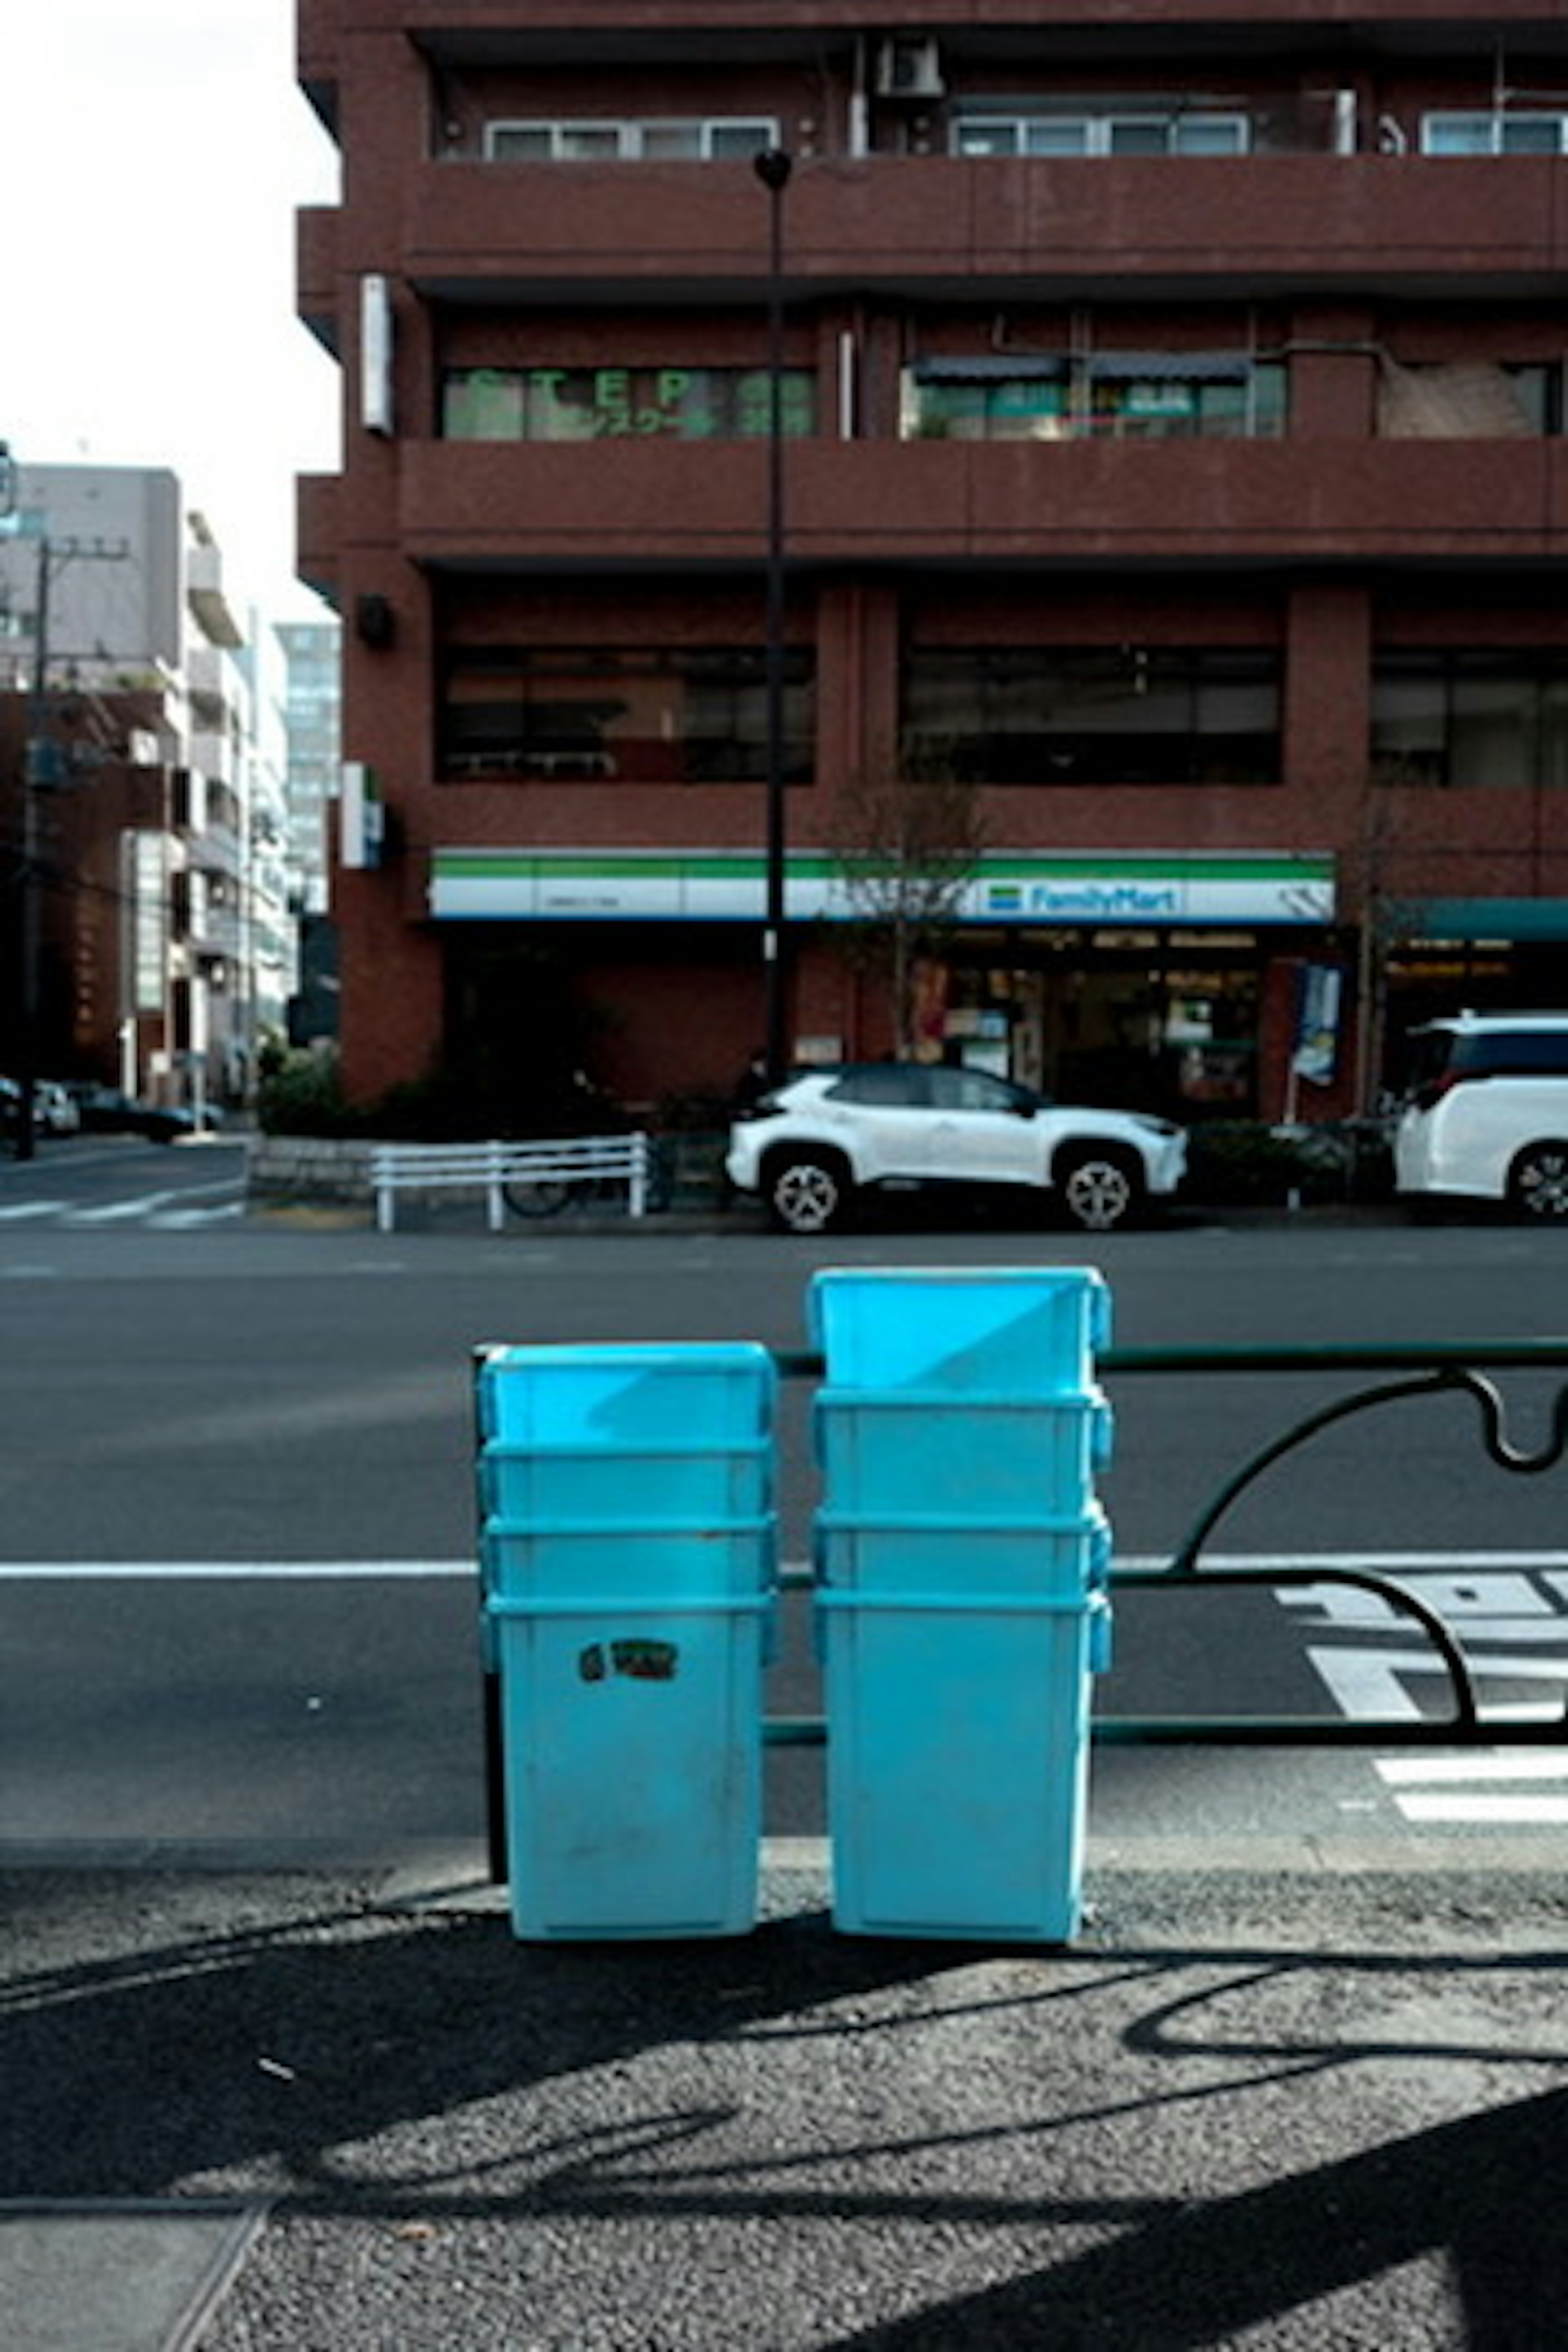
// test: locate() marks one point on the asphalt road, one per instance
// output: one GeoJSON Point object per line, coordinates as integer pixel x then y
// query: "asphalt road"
{"type": "Point", "coordinates": [236, 1515]}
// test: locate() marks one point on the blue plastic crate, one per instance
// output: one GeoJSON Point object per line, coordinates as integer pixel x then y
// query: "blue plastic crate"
{"type": "Point", "coordinates": [952, 1564]}
{"type": "Point", "coordinates": [632, 1765]}
{"type": "Point", "coordinates": [565, 1561]}
{"type": "Point", "coordinates": [626, 1484]}
{"type": "Point", "coordinates": [986, 1457]}
{"type": "Point", "coordinates": [957, 1766]}
{"type": "Point", "coordinates": [1030, 1330]}
{"type": "Point", "coordinates": [708, 1393]}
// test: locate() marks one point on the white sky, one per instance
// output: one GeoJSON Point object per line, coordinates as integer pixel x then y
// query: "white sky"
{"type": "Point", "coordinates": [152, 154]}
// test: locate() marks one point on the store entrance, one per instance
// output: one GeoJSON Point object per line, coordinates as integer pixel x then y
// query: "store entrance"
{"type": "Point", "coordinates": [1138, 1022]}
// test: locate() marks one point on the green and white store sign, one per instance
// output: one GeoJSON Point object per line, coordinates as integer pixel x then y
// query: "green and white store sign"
{"type": "Point", "coordinates": [718, 885]}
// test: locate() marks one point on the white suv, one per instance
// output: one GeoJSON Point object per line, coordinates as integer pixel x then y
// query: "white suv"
{"type": "Point", "coordinates": [1486, 1118]}
{"type": "Point", "coordinates": [813, 1143]}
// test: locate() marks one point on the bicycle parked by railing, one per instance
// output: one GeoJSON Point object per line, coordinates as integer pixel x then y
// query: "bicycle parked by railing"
{"type": "Point", "coordinates": [594, 1172]}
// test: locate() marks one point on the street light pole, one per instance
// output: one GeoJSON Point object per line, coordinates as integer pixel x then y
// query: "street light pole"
{"type": "Point", "coordinates": [772, 168]}
{"type": "Point", "coordinates": [34, 762]}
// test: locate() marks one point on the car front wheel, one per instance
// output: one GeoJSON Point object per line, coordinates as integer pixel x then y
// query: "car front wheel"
{"type": "Point", "coordinates": [1100, 1189]}
{"type": "Point", "coordinates": [806, 1194]}
{"type": "Point", "coordinates": [1538, 1181]}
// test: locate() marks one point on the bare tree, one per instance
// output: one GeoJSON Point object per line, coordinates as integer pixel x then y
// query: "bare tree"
{"type": "Point", "coordinates": [905, 846]}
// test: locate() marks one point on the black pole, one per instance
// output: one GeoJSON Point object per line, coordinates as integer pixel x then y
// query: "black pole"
{"type": "Point", "coordinates": [772, 168]}
{"type": "Point", "coordinates": [31, 913]}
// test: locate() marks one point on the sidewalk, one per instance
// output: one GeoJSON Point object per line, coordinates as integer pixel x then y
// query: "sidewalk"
{"type": "Point", "coordinates": [1272, 2097]}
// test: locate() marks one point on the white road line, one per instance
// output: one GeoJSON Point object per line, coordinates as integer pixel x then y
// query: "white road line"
{"type": "Point", "coordinates": [56, 1572]}
{"type": "Point", "coordinates": [120, 1211]}
{"type": "Point", "coordinates": [24, 1209]}
{"type": "Point", "coordinates": [1517, 1813]}
{"type": "Point", "coordinates": [1523, 1764]}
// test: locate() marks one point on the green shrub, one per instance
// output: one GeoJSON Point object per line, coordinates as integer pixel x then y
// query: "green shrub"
{"type": "Point", "coordinates": [1243, 1163]}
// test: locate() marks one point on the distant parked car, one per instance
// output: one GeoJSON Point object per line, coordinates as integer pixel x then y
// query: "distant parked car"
{"type": "Point", "coordinates": [827, 1136]}
{"type": "Point", "coordinates": [55, 1107]}
{"type": "Point", "coordinates": [105, 1110]}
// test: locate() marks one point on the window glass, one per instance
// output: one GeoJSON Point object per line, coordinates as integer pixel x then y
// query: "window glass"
{"type": "Point", "coordinates": [1127, 715]}
{"type": "Point", "coordinates": [738, 141]}
{"type": "Point", "coordinates": [1211, 134]}
{"type": "Point", "coordinates": [587, 142]}
{"type": "Point", "coordinates": [1470, 720]}
{"type": "Point", "coordinates": [971, 1090]}
{"type": "Point", "coordinates": [640, 717]}
{"type": "Point", "coordinates": [1535, 133]}
{"type": "Point", "coordinates": [1491, 726]}
{"type": "Point", "coordinates": [671, 141]}
{"type": "Point", "coordinates": [1408, 718]}
{"type": "Point", "coordinates": [520, 142]}
{"type": "Point", "coordinates": [1175, 133]}
{"type": "Point", "coordinates": [1522, 134]}
{"type": "Point", "coordinates": [684, 404]}
{"type": "Point", "coordinates": [987, 135]}
{"type": "Point", "coordinates": [681, 139]}
{"type": "Point", "coordinates": [1054, 136]}
{"type": "Point", "coordinates": [1139, 135]}
{"type": "Point", "coordinates": [1087, 397]}
{"type": "Point", "coordinates": [891, 1087]}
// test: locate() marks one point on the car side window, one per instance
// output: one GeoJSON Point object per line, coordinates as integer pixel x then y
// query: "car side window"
{"type": "Point", "coordinates": [970, 1090]}
{"type": "Point", "coordinates": [886, 1087]}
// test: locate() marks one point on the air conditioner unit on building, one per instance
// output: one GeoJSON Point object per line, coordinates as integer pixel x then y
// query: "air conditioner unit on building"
{"type": "Point", "coordinates": [908, 65]}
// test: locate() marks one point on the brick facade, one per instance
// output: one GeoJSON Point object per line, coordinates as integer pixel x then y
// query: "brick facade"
{"type": "Point", "coordinates": [1180, 408]}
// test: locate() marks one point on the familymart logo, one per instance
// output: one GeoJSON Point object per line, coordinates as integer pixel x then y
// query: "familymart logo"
{"type": "Point", "coordinates": [1085, 901]}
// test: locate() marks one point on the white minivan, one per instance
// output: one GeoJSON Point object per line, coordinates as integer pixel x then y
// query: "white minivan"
{"type": "Point", "coordinates": [1487, 1116]}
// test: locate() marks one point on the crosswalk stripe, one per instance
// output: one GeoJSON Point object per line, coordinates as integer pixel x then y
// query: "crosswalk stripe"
{"type": "Point", "coordinates": [21, 1210]}
{"type": "Point", "coordinates": [1524, 1764]}
{"type": "Point", "coordinates": [1515, 1812]}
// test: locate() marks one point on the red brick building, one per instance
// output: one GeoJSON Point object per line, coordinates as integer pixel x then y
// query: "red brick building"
{"type": "Point", "coordinates": [1169, 398]}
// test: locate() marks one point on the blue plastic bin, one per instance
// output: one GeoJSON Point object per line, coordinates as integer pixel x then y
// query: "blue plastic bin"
{"type": "Point", "coordinates": [628, 1568]}
{"type": "Point", "coordinates": [660, 1483]}
{"type": "Point", "coordinates": [679, 1394]}
{"type": "Point", "coordinates": [1030, 1330]}
{"type": "Point", "coordinates": [981, 1457]}
{"type": "Point", "coordinates": [958, 1764]}
{"type": "Point", "coordinates": [955, 1563]}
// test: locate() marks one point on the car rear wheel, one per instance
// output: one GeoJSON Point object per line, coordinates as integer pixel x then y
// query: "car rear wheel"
{"type": "Point", "coordinates": [1099, 1189]}
{"type": "Point", "coordinates": [1538, 1181]}
{"type": "Point", "coordinates": [807, 1193]}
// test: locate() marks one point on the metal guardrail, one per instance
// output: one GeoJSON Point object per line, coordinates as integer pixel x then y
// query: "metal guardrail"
{"type": "Point", "coordinates": [1426, 1368]}
{"type": "Point", "coordinates": [547, 1168]}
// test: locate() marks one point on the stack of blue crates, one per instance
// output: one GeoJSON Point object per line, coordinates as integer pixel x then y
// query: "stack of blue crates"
{"type": "Point", "coordinates": [628, 1566]}
{"type": "Point", "coordinates": [963, 1563]}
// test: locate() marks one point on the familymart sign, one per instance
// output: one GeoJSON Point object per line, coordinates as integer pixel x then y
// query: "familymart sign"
{"type": "Point", "coordinates": [491, 886]}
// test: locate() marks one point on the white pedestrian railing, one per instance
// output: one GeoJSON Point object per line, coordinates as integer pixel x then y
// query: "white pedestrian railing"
{"type": "Point", "coordinates": [545, 1169]}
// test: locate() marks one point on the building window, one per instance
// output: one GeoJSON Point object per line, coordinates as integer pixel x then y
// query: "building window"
{"type": "Point", "coordinates": [1120, 396]}
{"type": "Point", "coordinates": [1465, 719]}
{"type": "Point", "coordinates": [1127, 714]}
{"type": "Point", "coordinates": [1140, 132]}
{"type": "Point", "coordinates": [1468, 400]}
{"type": "Point", "coordinates": [1494, 134]}
{"type": "Point", "coordinates": [682, 404]}
{"type": "Point", "coordinates": [684, 139]}
{"type": "Point", "coordinates": [689, 716]}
